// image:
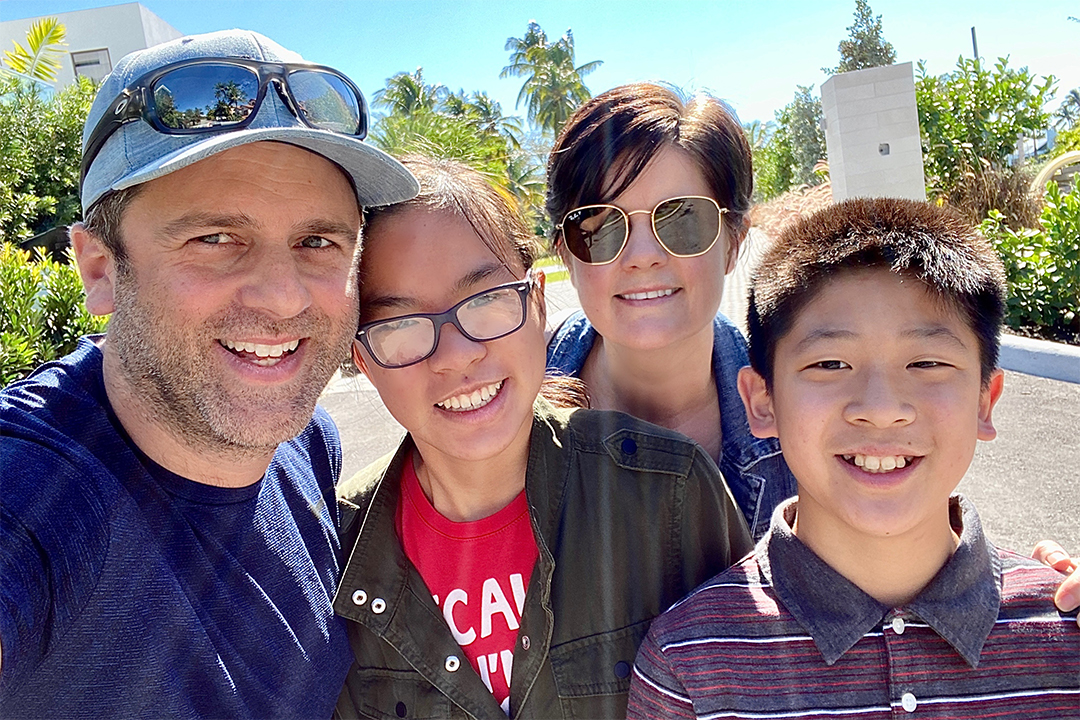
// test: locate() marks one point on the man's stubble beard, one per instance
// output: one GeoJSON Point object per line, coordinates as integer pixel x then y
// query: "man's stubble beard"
{"type": "Point", "coordinates": [170, 368]}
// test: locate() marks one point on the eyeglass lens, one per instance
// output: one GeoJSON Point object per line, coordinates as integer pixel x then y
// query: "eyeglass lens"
{"type": "Point", "coordinates": [487, 316]}
{"type": "Point", "coordinates": [217, 94]}
{"type": "Point", "coordinates": [684, 226]}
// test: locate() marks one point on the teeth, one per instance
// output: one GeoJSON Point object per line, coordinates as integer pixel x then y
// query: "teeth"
{"type": "Point", "coordinates": [472, 401]}
{"type": "Point", "coordinates": [265, 355]}
{"type": "Point", "coordinates": [873, 464]}
{"type": "Point", "coordinates": [649, 295]}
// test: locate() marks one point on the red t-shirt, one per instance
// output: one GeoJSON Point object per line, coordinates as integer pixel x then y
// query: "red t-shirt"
{"type": "Point", "coordinates": [477, 572]}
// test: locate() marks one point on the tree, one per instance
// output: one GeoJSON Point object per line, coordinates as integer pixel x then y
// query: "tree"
{"type": "Point", "coordinates": [758, 133]}
{"type": "Point", "coordinates": [1069, 113]}
{"type": "Point", "coordinates": [38, 61]}
{"type": "Point", "coordinates": [802, 121]}
{"type": "Point", "coordinates": [865, 47]}
{"type": "Point", "coordinates": [407, 93]}
{"type": "Point", "coordinates": [970, 120]}
{"type": "Point", "coordinates": [554, 86]}
{"type": "Point", "coordinates": [228, 99]}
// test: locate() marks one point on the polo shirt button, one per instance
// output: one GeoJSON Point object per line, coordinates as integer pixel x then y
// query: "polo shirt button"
{"type": "Point", "coordinates": [452, 663]}
{"type": "Point", "coordinates": [359, 597]}
{"type": "Point", "coordinates": [378, 605]}
{"type": "Point", "coordinates": [898, 625]}
{"type": "Point", "coordinates": [622, 669]}
{"type": "Point", "coordinates": [908, 702]}
{"type": "Point", "coordinates": [400, 710]}
{"type": "Point", "coordinates": [525, 642]}
{"type": "Point", "coordinates": [629, 446]}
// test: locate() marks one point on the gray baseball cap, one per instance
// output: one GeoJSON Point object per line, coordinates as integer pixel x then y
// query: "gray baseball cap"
{"type": "Point", "coordinates": [136, 152]}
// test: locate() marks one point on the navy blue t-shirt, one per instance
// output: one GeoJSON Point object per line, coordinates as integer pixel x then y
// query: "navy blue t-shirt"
{"type": "Point", "coordinates": [127, 590]}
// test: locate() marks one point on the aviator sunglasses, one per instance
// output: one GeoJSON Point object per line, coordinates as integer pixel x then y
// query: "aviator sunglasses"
{"type": "Point", "coordinates": [208, 95]}
{"type": "Point", "coordinates": [489, 315]}
{"type": "Point", "coordinates": [685, 226]}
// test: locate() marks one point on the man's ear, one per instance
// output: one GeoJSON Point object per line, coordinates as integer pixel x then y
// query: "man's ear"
{"type": "Point", "coordinates": [758, 403]}
{"type": "Point", "coordinates": [988, 398]}
{"type": "Point", "coordinates": [97, 268]}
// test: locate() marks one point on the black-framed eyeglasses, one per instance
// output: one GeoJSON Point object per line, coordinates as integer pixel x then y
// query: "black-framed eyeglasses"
{"type": "Point", "coordinates": [685, 226]}
{"type": "Point", "coordinates": [208, 95]}
{"type": "Point", "coordinates": [489, 315]}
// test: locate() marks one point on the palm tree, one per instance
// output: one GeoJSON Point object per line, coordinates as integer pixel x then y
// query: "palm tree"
{"type": "Point", "coordinates": [758, 133]}
{"type": "Point", "coordinates": [38, 61]}
{"type": "Point", "coordinates": [525, 181]}
{"type": "Point", "coordinates": [407, 93]}
{"type": "Point", "coordinates": [1069, 112]}
{"type": "Point", "coordinates": [553, 87]}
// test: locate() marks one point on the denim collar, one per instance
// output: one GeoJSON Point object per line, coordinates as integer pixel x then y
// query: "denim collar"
{"type": "Point", "coordinates": [960, 604]}
{"type": "Point", "coordinates": [574, 340]}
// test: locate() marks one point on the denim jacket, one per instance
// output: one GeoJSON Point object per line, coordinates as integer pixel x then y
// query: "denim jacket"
{"type": "Point", "coordinates": [628, 518]}
{"type": "Point", "coordinates": [753, 467]}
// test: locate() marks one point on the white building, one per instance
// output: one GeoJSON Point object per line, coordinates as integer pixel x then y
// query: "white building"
{"type": "Point", "coordinates": [96, 38]}
{"type": "Point", "coordinates": [872, 134]}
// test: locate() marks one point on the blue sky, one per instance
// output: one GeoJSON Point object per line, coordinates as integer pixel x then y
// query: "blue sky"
{"type": "Point", "coordinates": [753, 54]}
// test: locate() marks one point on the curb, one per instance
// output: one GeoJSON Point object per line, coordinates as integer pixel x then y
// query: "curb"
{"type": "Point", "coordinates": [1056, 361]}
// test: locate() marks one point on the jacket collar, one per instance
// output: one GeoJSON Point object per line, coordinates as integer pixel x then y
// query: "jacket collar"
{"type": "Point", "coordinates": [573, 341]}
{"type": "Point", "coordinates": [960, 604]}
{"type": "Point", "coordinates": [407, 617]}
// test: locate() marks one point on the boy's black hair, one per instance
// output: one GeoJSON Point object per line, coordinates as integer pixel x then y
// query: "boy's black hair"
{"type": "Point", "coordinates": [918, 239]}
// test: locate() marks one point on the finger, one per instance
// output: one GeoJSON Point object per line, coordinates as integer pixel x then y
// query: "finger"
{"type": "Point", "coordinates": [1067, 597]}
{"type": "Point", "coordinates": [1050, 553]}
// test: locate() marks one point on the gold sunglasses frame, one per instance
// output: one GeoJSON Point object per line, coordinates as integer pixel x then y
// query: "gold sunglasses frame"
{"type": "Point", "coordinates": [652, 222]}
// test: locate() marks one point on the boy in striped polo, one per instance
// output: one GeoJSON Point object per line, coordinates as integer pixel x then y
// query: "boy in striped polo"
{"type": "Point", "coordinates": [873, 333]}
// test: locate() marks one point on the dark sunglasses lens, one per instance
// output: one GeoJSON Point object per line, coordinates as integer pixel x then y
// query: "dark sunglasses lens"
{"type": "Point", "coordinates": [493, 314]}
{"type": "Point", "coordinates": [326, 101]}
{"type": "Point", "coordinates": [205, 95]}
{"type": "Point", "coordinates": [687, 226]}
{"type": "Point", "coordinates": [595, 234]}
{"type": "Point", "coordinates": [401, 342]}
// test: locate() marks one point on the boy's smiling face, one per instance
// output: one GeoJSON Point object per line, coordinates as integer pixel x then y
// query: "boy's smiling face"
{"type": "Point", "coordinates": [877, 400]}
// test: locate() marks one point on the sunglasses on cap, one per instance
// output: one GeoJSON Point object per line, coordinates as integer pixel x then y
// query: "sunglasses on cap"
{"type": "Point", "coordinates": [685, 226]}
{"type": "Point", "coordinates": [489, 315]}
{"type": "Point", "coordinates": [209, 95]}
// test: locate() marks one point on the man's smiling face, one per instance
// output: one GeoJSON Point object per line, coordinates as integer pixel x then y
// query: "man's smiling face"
{"type": "Point", "coordinates": [239, 296]}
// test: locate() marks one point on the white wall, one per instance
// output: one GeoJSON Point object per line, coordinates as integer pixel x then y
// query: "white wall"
{"type": "Point", "coordinates": [120, 29]}
{"type": "Point", "coordinates": [865, 113]}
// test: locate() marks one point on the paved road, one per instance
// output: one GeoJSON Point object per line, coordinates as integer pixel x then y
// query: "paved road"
{"type": "Point", "coordinates": [1026, 483]}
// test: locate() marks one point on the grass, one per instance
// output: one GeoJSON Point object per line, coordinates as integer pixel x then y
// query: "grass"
{"type": "Point", "coordinates": [553, 268]}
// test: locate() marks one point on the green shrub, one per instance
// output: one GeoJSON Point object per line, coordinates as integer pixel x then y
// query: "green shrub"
{"type": "Point", "coordinates": [1067, 141]}
{"type": "Point", "coordinates": [970, 120]}
{"type": "Point", "coordinates": [1042, 265]}
{"type": "Point", "coordinates": [40, 153]}
{"type": "Point", "coordinates": [42, 314]}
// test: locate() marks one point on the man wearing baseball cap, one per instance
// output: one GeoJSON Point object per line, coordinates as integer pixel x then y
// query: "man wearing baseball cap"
{"type": "Point", "coordinates": [167, 517]}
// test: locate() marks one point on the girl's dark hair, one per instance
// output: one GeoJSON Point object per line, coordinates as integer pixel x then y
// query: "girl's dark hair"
{"type": "Point", "coordinates": [449, 186]}
{"type": "Point", "coordinates": [608, 142]}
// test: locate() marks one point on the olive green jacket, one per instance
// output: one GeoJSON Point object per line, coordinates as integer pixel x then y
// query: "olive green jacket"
{"type": "Point", "coordinates": [628, 518]}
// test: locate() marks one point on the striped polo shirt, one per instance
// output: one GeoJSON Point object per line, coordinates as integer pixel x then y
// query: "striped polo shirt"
{"type": "Point", "coordinates": [783, 635]}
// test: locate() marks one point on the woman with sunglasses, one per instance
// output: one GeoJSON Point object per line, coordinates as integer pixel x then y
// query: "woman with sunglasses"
{"type": "Point", "coordinates": [508, 558]}
{"type": "Point", "coordinates": [651, 200]}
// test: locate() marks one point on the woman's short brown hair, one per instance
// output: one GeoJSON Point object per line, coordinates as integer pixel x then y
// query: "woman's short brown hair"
{"type": "Point", "coordinates": [608, 142]}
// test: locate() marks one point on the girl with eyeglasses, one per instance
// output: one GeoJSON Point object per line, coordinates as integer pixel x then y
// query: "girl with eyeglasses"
{"type": "Point", "coordinates": [650, 197]}
{"type": "Point", "coordinates": [508, 558]}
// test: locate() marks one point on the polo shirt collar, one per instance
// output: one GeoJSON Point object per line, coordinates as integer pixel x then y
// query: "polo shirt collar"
{"type": "Point", "coordinates": [960, 603]}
